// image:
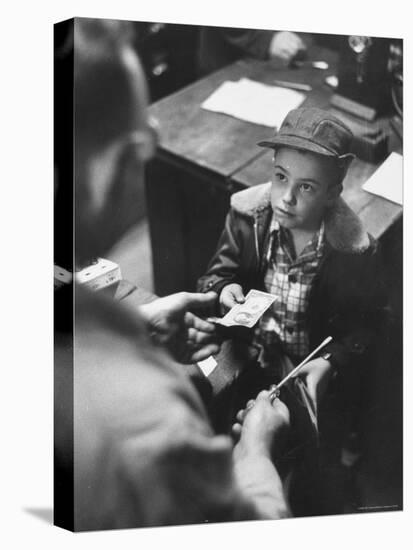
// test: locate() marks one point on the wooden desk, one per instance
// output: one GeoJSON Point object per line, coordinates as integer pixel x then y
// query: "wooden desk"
{"type": "Point", "coordinates": [204, 157]}
{"type": "Point", "coordinates": [204, 140]}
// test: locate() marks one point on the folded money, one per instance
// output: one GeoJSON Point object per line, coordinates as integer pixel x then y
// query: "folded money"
{"type": "Point", "coordinates": [248, 313]}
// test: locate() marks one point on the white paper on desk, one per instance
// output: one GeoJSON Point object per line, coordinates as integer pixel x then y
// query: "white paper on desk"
{"type": "Point", "coordinates": [254, 102]}
{"type": "Point", "coordinates": [387, 180]}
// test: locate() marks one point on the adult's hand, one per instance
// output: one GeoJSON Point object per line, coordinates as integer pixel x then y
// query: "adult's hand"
{"type": "Point", "coordinates": [260, 425]}
{"type": "Point", "coordinates": [285, 45]}
{"type": "Point", "coordinates": [230, 296]}
{"type": "Point", "coordinates": [262, 431]}
{"type": "Point", "coordinates": [173, 323]}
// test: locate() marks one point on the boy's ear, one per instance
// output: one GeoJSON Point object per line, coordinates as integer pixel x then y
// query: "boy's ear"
{"type": "Point", "coordinates": [345, 165]}
{"type": "Point", "coordinates": [334, 191]}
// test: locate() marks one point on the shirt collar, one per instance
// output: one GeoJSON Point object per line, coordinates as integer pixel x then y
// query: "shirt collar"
{"type": "Point", "coordinates": [317, 242]}
{"type": "Point", "coordinates": [320, 239]}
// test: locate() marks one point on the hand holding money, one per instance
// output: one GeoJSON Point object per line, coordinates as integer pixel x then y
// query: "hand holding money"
{"type": "Point", "coordinates": [230, 296]}
{"type": "Point", "coordinates": [247, 313]}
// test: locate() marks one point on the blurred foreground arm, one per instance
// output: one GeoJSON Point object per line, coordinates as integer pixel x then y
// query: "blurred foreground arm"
{"type": "Point", "coordinates": [144, 449]}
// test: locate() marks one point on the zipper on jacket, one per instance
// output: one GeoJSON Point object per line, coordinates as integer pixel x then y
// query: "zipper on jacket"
{"type": "Point", "coordinates": [257, 250]}
{"type": "Point", "coordinates": [260, 260]}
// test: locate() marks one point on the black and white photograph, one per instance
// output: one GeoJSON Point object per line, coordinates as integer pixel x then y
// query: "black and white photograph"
{"type": "Point", "coordinates": [206, 274]}
{"type": "Point", "coordinates": [228, 283]}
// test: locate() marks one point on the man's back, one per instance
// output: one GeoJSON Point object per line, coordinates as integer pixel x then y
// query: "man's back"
{"type": "Point", "coordinates": [144, 453]}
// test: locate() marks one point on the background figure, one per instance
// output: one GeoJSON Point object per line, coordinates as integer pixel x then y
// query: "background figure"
{"type": "Point", "coordinates": [131, 433]}
{"type": "Point", "coordinates": [221, 46]}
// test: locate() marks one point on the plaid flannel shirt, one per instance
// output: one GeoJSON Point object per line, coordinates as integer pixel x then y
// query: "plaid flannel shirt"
{"type": "Point", "coordinates": [282, 329]}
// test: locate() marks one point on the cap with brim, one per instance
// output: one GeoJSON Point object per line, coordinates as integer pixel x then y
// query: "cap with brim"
{"type": "Point", "coordinates": [303, 145]}
{"type": "Point", "coordinates": [314, 130]}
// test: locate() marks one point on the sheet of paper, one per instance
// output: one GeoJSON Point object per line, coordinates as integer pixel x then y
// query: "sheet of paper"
{"type": "Point", "coordinates": [387, 180]}
{"type": "Point", "coordinates": [254, 102]}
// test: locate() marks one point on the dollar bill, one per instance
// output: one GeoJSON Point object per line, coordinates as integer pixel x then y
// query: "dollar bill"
{"type": "Point", "coordinates": [248, 313]}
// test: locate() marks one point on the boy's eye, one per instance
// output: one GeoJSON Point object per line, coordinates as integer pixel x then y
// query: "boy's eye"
{"type": "Point", "coordinates": [279, 176]}
{"type": "Point", "coordinates": [307, 188]}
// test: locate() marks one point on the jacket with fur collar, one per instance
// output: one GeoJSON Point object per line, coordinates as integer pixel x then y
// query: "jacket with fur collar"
{"type": "Point", "coordinates": [346, 300]}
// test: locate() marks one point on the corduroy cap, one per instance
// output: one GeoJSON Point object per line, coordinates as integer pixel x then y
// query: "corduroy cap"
{"type": "Point", "coordinates": [314, 130]}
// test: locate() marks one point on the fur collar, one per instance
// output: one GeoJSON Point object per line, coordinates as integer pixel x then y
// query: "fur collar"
{"type": "Point", "coordinates": [343, 228]}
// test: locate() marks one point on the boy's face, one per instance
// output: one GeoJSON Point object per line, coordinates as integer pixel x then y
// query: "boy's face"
{"type": "Point", "coordinates": [303, 185]}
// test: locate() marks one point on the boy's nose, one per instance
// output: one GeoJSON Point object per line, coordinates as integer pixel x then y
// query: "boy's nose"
{"type": "Point", "coordinates": [289, 197]}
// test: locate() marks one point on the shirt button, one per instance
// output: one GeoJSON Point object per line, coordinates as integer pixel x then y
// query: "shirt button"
{"type": "Point", "coordinates": [292, 278]}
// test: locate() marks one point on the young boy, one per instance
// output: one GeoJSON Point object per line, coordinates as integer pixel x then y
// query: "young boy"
{"type": "Point", "coordinates": [297, 239]}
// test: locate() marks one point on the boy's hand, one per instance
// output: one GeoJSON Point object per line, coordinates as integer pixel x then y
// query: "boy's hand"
{"type": "Point", "coordinates": [316, 375]}
{"type": "Point", "coordinates": [230, 296]}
